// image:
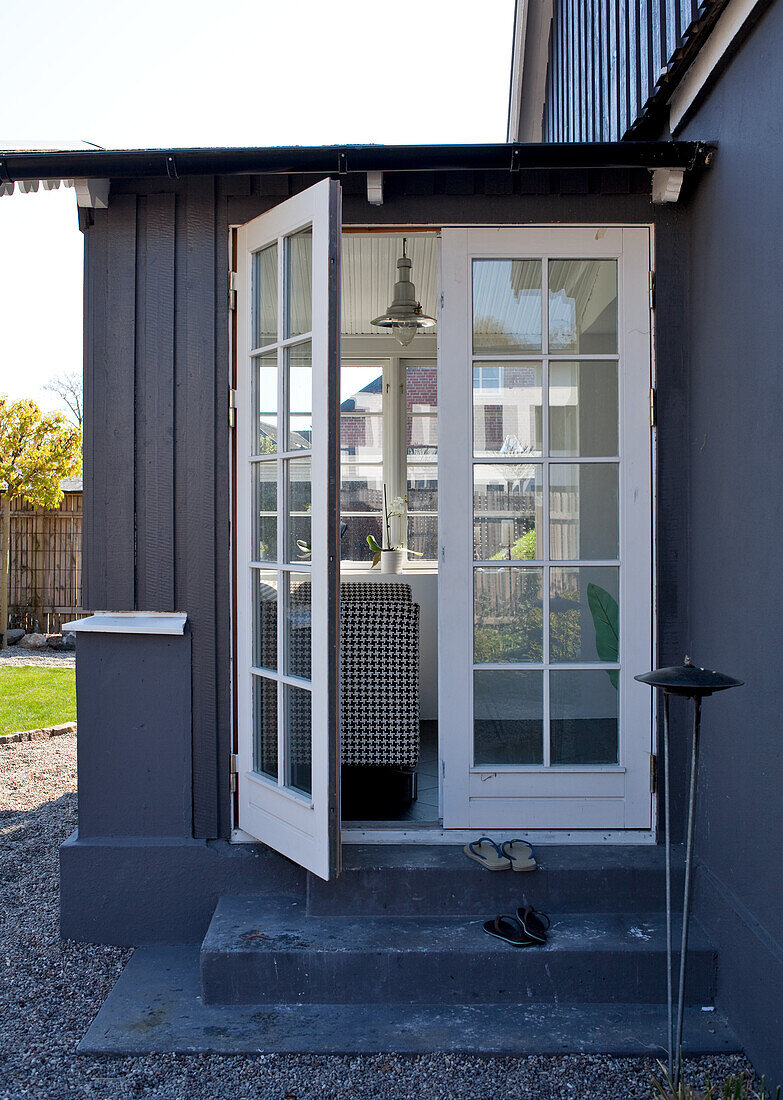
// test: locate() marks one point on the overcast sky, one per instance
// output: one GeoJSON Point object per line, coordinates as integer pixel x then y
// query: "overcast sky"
{"type": "Point", "coordinates": [170, 72]}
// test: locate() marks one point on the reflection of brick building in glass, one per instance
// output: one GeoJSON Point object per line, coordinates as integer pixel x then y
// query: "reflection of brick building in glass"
{"type": "Point", "coordinates": [361, 445]}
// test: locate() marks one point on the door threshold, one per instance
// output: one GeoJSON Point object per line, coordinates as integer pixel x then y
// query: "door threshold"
{"type": "Point", "coordinates": [425, 833]}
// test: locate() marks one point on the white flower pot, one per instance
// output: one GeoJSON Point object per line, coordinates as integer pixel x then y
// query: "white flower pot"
{"type": "Point", "coordinates": [392, 561]}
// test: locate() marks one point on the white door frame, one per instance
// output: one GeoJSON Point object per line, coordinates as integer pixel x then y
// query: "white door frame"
{"type": "Point", "coordinates": [618, 797]}
{"type": "Point", "coordinates": [304, 828]}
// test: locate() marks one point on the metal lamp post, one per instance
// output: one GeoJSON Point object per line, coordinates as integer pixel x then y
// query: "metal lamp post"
{"type": "Point", "coordinates": [689, 682]}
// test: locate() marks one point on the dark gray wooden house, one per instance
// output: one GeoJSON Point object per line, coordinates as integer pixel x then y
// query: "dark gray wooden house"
{"type": "Point", "coordinates": [582, 412]}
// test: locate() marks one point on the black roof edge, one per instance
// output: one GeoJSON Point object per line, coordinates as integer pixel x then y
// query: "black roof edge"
{"type": "Point", "coordinates": [341, 159]}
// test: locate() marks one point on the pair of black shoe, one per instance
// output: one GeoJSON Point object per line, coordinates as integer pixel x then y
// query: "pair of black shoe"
{"type": "Point", "coordinates": [527, 929]}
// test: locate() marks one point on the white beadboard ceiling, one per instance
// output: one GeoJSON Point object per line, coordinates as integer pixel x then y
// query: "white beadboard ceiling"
{"type": "Point", "coordinates": [369, 272]}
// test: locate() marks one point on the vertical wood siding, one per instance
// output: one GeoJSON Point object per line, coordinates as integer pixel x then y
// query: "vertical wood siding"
{"type": "Point", "coordinates": [155, 417]}
{"type": "Point", "coordinates": [605, 59]}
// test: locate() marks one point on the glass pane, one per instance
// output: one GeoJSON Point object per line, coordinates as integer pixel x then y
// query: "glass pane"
{"type": "Point", "coordinates": [265, 619]}
{"type": "Point", "coordinates": [264, 511]}
{"type": "Point", "coordinates": [507, 615]}
{"type": "Point", "coordinates": [506, 511]}
{"type": "Point", "coordinates": [299, 494]}
{"type": "Point", "coordinates": [265, 296]}
{"type": "Point", "coordinates": [265, 726]}
{"type": "Point", "coordinates": [300, 397]}
{"type": "Point", "coordinates": [422, 435]}
{"type": "Point", "coordinates": [422, 488]}
{"type": "Point", "coordinates": [353, 539]}
{"type": "Point", "coordinates": [297, 623]}
{"type": "Point", "coordinates": [583, 717]}
{"type": "Point", "coordinates": [583, 521]}
{"type": "Point", "coordinates": [583, 306]}
{"type": "Point", "coordinates": [506, 306]}
{"type": "Point", "coordinates": [584, 614]}
{"type": "Point", "coordinates": [506, 409]}
{"type": "Point", "coordinates": [421, 385]}
{"type": "Point", "coordinates": [583, 409]}
{"type": "Point", "coordinates": [300, 282]}
{"type": "Point", "coordinates": [423, 537]}
{"type": "Point", "coordinates": [508, 717]}
{"type": "Point", "coordinates": [298, 735]}
{"type": "Point", "coordinates": [361, 488]}
{"type": "Point", "coordinates": [361, 387]}
{"type": "Point", "coordinates": [265, 388]}
{"type": "Point", "coordinates": [361, 436]}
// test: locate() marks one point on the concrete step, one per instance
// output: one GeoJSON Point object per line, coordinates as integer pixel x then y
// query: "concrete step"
{"type": "Point", "coordinates": [156, 1007]}
{"type": "Point", "coordinates": [258, 951]}
{"type": "Point", "coordinates": [413, 880]}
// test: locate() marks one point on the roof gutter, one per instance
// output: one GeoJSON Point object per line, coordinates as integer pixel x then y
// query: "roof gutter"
{"type": "Point", "coordinates": [339, 160]}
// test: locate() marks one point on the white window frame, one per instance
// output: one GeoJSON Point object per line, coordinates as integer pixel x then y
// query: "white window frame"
{"type": "Point", "coordinates": [522, 797]}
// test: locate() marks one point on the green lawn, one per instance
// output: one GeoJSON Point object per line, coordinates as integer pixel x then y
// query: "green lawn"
{"type": "Point", "coordinates": [34, 698]}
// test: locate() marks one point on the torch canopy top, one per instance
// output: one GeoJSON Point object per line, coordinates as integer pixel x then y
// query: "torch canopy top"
{"type": "Point", "coordinates": [688, 679]}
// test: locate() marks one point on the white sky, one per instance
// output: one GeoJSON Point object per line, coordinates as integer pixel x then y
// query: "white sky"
{"type": "Point", "coordinates": [193, 72]}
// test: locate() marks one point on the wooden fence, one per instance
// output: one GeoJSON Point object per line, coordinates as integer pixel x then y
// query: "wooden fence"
{"type": "Point", "coordinates": [46, 564]}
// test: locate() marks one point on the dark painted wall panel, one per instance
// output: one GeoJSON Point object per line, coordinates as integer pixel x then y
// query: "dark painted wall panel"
{"type": "Point", "coordinates": [133, 695]}
{"type": "Point", "coordinates": [155, 405]}
{"type": "Point", "coordinates": [736, 530]}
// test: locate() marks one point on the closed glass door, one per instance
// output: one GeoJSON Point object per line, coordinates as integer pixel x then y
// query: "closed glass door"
{"type": "Point", "coordinates": [546, 363]}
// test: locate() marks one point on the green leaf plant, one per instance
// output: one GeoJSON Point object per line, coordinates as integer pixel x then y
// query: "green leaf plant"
{"type": "Point", "coordinates": [606, 622]}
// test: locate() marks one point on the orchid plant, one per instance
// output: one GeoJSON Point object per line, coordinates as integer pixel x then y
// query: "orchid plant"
{"type": "Point", "coordinates": [397, 509]}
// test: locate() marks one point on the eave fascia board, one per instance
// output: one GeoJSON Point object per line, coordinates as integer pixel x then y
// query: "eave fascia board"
{"type": "Point", "coordinates": [521, 9]}
{"type": "Point", "coordinates": [734, 21]}
{"type": "Point", "coordinates": [532, 68]}
{"type": "Point", "coordinates": [340, 160]}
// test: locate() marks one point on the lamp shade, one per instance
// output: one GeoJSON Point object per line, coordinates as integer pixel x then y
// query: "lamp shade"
{"type": "Point", "coordinates": [688, 680]}
{"type": "Point", "coordinates": [404, 316]}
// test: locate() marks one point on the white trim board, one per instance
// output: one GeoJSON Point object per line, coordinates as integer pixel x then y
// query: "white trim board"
{"type": "Point", "coordinates": [435, 835]}
{"type": "Point", "coordinates": [529, 60]}
{"type": "Point", "coordinates": [728, 26]}
{"type": "Point", "coordinates": [129, 622]}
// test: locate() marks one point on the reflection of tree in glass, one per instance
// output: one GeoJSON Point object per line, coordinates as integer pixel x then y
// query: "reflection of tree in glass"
{"type": "Point", "coordinates": [508, 616]}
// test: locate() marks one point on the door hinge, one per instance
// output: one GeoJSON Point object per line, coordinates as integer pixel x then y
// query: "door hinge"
{"type": "Point", "coordinates": [653, 407]}
{"type": "Point", "coordinates": [232, 408]}
{"type": "Point", "coordinates": [232, 290]}
{"type": "Point", "coordinates": [653, 773]}
{"type": "Point", "coordinates": [652, 289]}
{"type": "Point", "coordinates": [234, 775]}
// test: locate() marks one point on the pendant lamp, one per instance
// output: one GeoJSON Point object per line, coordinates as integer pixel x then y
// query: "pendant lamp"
{"type": "Point", "coordinates": [404, 316]}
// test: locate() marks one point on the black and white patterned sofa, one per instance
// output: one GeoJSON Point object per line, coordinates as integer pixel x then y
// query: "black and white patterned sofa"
{"type": "Point", "coordinates": [379, 645]}
{"type": "Point", "coordinates": [379, 685]}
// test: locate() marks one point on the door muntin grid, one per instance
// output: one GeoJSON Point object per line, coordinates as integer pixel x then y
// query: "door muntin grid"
{"type": "Point", "coordinates": [545, 454]}
{"type": "Point", "coordinates": [281, 507]}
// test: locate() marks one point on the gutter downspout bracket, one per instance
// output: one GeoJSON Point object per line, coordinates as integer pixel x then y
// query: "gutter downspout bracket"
{"type": "Point", "coordinates": [667, 184]}
{"type": "Point", "coordinates": [375, 188]}
{"type": "Point", "coordinates": [92, 194]}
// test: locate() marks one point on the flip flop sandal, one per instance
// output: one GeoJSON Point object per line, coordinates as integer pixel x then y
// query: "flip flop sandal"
{"type": "Point", "coordinates": [510, 931]}
{"type": "Point", "coordinates": [534, 923]}
{"type": "Point", "coordinates": [486, 852]}
{"type": "Point", "coordinates": [520, 853]}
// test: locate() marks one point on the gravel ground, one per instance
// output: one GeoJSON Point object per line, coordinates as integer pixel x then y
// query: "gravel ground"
{"type": "Point", "coordinates": [50, 992]}
{"type": "Point", "coordinates": [43, 658]}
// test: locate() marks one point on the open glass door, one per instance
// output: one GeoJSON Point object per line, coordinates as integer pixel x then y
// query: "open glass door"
{"type": "Point", "coordinates": [288, 347]}
{"type": "Point", "coordinates": [545, 522]}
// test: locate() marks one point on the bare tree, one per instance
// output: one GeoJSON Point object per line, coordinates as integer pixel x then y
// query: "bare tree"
{"type": "Point", "coordinates": [68, 387]}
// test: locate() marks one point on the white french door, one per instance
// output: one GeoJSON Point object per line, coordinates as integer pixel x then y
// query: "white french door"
{"type": "Point", "coordinates": [545, 526]}
{"type": "Point", "coordinates": [288, 345]}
